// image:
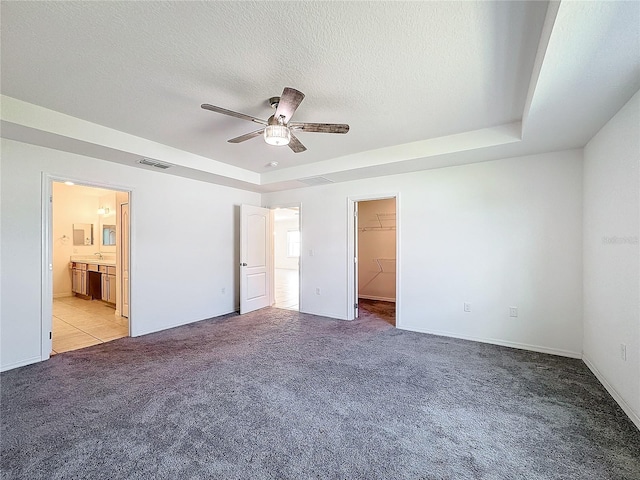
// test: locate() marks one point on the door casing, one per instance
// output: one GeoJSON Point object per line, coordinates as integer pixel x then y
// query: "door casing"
{"type": "Point", "coordinates": [352, 293]}
{"type": "Point", "coordinates": [46, 300]}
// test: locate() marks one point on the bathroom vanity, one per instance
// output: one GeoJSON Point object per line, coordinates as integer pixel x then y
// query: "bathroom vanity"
{"type": "Point", "coordinates": [94, 279]}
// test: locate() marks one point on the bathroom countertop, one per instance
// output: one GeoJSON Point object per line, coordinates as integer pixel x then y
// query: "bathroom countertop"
{"type": "Point", "coordinates": [93, 260]}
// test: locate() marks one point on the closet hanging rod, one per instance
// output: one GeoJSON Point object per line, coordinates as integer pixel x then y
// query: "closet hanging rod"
{"type": "Point", "coordinates": [375, 229]}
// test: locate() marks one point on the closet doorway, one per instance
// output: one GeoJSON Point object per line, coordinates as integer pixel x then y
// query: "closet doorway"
{"type": "Point", "coordinates": [286, 258]}
{"type": "Point", "coordinates": [375, 272]}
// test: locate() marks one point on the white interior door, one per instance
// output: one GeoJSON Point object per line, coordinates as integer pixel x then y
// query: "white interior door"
{"type": "Point", "coordinates": [255, 258]}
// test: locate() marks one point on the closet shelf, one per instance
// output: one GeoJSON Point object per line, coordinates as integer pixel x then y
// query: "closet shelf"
{"type": "Point", "coordinates": [375, 229]}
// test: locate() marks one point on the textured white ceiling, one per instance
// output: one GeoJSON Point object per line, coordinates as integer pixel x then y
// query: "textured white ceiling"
{"type": "Point", "coordinates": [396, 72]}
{"type": "Point", "coordinates": [443, 77]}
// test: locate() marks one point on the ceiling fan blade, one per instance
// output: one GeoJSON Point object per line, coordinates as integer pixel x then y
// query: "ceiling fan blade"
{"type": "Point", "coordinates": [289, 102]}
{"type": "Point", "coordinates": [224, 111]}
{"type": "Point", "coordinates": [319, 127]}
{"type": "Point", "coordinates": [296, 145]}
{"type": "Point", "coordinates": [246, 136]}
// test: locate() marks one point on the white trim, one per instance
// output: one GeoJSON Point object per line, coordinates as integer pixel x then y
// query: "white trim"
{"type": "Point", "coordinates": [351, 252]}
{"type": "Point", "coordinates": [183, 323]}
{"type": "Point", "coordinates": [46, 284]}
{"type": "Point", "coordinates": [21, 363]}
{"type": "Point", "coordinates": [633, 416]}
{"type": "Point", "coordinates": [504, 343]}
{"type": "Point", "coordinates": [63, 295]}
{"type": "Point", "coordinates": [46, 263]}
{"type": "Point", "coordinates": [351, 294]}
{"type": "Point", "coordinates": [373, 297]}
{"type": "Point", "coordinates": [329, 315]}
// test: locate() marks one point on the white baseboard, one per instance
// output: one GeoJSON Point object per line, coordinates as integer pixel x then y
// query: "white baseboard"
{"type": "Point", "coordinates": [635, 418]}
{"type": "Point", "coordinates": [134, 333]}
{"type": "Point", "coordinates": [503, 343]}
{"type": "Point", "coordinates": [21, 363]}
{"type": "Point", "coordinates": [331, 316]}
{"type": "Point", "coordinates": [373, 297]}
{"type": "Point", "coordinates": [63, 295]}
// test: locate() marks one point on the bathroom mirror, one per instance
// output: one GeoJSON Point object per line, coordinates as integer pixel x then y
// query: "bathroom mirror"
{"type": "Point", "coordinates": [83, 234]}
{"type": "Point", "coordinates": [108, 235]}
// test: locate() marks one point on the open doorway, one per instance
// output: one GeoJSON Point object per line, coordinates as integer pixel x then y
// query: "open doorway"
{"type": "Point", "coordinates": [286, 257]}
{"type": "Point", "coordinates": [89, 266]}
{"type": "Point", "coordinates": [375, 266]}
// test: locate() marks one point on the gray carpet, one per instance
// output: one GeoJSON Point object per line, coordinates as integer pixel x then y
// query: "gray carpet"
{"type": "Point", "coordinates": [279, 394]}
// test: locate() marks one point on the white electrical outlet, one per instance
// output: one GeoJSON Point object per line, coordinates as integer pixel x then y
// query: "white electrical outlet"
{"type": "Point", "coordinates": [223, 290]}
{"type": "Point", "coordinates": [467, 307]}
{"type": "Point", "coordinates": [513, 311]}
{"type": "Point", "coordinates": [318, 291]}
{"type": "Point", "coordinates": [623, 352]}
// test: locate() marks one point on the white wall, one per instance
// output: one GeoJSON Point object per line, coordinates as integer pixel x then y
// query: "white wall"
{"type": "Point", "coordinates": [377, 249]}
{"type": "Point", "coordinates": [495, 234]}
{"type": "Point", "coordinates": [281, 227]}
{"type": "Point", "coordinates": [611, 256]}
{"type": "Point", "coordinates": [170, 284]}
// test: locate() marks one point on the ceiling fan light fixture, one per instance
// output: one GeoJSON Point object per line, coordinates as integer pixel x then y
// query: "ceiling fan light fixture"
{"type": "Point", "coordinates": [278, 135]}
{"type": "Point", "coordinates": [276, 129]}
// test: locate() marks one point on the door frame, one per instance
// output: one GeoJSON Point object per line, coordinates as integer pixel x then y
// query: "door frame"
{"type": "Point", "coordinates": [119, 254]}
{"type": "Point", "coordinates": [46, 299]}
{"type": "Point", "coordinates": [352, 294]}
{"type": "Point", "coordinates": [297, 205]}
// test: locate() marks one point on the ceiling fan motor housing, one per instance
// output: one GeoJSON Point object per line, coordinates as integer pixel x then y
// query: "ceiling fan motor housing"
{"type": "Point", "coordinates": [274, 101]}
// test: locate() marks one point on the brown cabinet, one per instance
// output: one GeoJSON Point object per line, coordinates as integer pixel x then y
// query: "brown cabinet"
{"type": "Point", "coordinates": [108, 283]}
{"type": "Point", "coordinates": [95, 281]}
{"type": "Point", "coordinates": [79, 279]}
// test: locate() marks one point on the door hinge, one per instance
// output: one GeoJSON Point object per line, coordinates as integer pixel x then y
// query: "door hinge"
{"type": "Point", "coordinates": [49, 335]}
{"type": "Point", "coordinates": [355, 305]}
{"type": "Point", "coordinates": [355, 214]}
{"type": "Point", "coordinates": [50, 198]}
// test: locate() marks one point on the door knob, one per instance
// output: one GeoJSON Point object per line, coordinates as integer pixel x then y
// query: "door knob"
{"type": "Point", "coordinates": [243, 264]}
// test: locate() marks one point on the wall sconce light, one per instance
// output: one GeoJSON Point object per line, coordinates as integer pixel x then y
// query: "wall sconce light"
{"type": "Point", "coordinates": [103, 211]}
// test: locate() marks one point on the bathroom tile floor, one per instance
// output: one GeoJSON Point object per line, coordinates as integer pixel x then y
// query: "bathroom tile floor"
{"type": "Point", "coordinates": [79, 323]}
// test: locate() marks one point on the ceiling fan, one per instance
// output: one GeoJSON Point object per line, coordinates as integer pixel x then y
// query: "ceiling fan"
{"type": "Point", "coordinates": [278, 129]}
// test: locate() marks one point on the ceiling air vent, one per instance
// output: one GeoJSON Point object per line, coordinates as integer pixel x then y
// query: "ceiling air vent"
{"type": "Point", "coordinates": [154, 163]}
{"type": "Point", "coordinates": [314, 181]}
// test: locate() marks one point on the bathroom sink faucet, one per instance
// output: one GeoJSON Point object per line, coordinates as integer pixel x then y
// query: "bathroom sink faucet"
{"type": "Point", "coordinates": [99, 255]}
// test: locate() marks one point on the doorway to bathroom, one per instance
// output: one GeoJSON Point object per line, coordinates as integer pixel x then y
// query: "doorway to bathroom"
{"type": "Point", "coordinates": [89, 265]}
